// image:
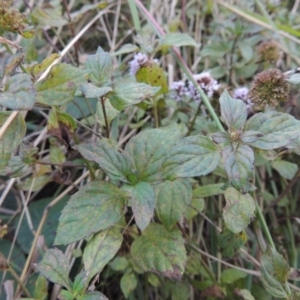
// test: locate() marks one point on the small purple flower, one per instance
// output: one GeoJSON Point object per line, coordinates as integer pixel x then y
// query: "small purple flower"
{"type": "Point", "coordinates": [139, 60]}
{"type": "Point", "coordinates": [242, 93]}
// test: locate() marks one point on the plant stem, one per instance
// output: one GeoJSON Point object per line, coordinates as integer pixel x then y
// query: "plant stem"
{"type": "Point", "coordinates": [194, 119]}
{"type": "Point", "coordinates": [102, 100]}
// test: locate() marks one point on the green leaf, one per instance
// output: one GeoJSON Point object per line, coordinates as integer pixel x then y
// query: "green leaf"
{"type": "Point", "coordinates": [60, 85]}
{"type": "Point", "coordinates": [110, 111]}
{"type": "Point", "coordinates": [230, 242]}
{"type": "Point", "coordinates": [101, 249]}
{"type": "Point", "coordinates": [171, 199]}
{"type": "Point", "coordinates": [66, 295]}
{"type": "Point", "coordinates": [48, 15]}
{"type": "Point", "coordinates": [93, 296]}
{"type": "Point", "coordinates": [178, 39]}
{"type": "Point", "coordinates": [220, 137]}
{"type": "Point", "coordinates": [100, 67]}
{"type": "Point", "coordinates": [37, 69]}
{"type": "Point", "coordinates": [129, 93]}
{"type": "Point", "coordinates": [19, 93]}
{"type": "Point", "coordinates": [142, 202]}
{"type": "Point", "coordinates": [160, 251]}
{"type": "Point", "coordinates": [245, 294]}
{"type": "Point", "coordinates": [128, 283]}
{"type": "Point", "coordinates": [233, 111]}
{"type": "Point", "coordinates": [286, 169]}
{"type": "Point", "coordinates": [246, 49]}
{"type": "Point", "coordinates": [197, 205]}
{"type": "Point", "coordinates": [216, 49]}
{"type": "Point", "coordinates": [55, 267]}
{"type": "Point", "coordinates": [278, 129]}
{"type": "Point", "coordinates": [119, 263]}
{"type": "Point", "coordinates": [250, 136]}
{"type": "Point", "coordinates": [80, 283]}
{"type": "Point", "coordinates": [12, 136]}
{"type": "Point", "coordinates": [41, 288]}
{"type": "Point", "coordinates": [91, 91]}
{"type": "Point", "coordinates": [126, 48]}
{"type": "Point", "coordinates": [239, 210]}
{"type": "Point", "coordinates": [231, 275]}
{"type": "Point", "coordinates": [149, 148]}
{"type": "Point", "coordinates": [274, 273]}
{"type": "Point", "coordinates": [101, 201]}
{"type": "Point", "coordinates": [208, 190]}
{"type": "Point", "coordinates": [239, 165]}
{"type": "Point", "coordinates": [116, 165]}
{"type": "Point", "coordinates": [190, 157]}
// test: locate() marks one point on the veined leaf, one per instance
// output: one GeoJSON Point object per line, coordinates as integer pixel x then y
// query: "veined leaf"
{"type": "Point", "coordinates": [55, 267]}
{"type": "Point", "coordinates": [142, 202]}
{"type": "Point", "coordinates": [100, 67]}
{"type": "Point", "coordinates": [160, 251]}
{"type": "Point", "coordinates": [91, 91]}
{"type": "Point", "coordinates": [190, 157]}
{"type": "Point", "coordinates": [239, 210]}
{"type": "Point", "coordinates": [274, 271]}
{"type": "Point", "coordinates": [128, 283]}
{"type": "Point", "coordinates": [60, 85]}
{"type": "Point", "coordinates": [233, 111]}
{"type": "Point", "coordinates": [19, 93]}
{"type": "Point", "coordinates": [278, 129]}
{"type": "Point", "coordinates": [171, 199]}
{"type": "Point", "coordinates": [285, 168]}
{"type": "Point", "coordinates": [97, 206]}
{"type": "Point", "coordinates": [178, 39]}
{"type": "Point", "coordinates": [12, 136]}
{"type": "Point", "coordinates": [239, 165]}
{"type": "Point", "coordinates": [208, 190]}
{"type": "Point", "coordinates": [116, 165]}
{"type": "Point", "coordinates": [101, 249]}
{"type": "Point", "coordinates": [149, 148]}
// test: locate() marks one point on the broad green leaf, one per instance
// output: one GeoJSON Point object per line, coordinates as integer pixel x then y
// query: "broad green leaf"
{"type": "Point", "coordinates": [245, 294]}
{"type": "Point", "coordinates": [239, 210]}
{"type": "Point", "coordinates": [91, 91]}
{"type": "Point", "coordinates": [285, 168]}
{"type": "Point", "coordinates": [41, 288]}
{"type": "Point", "coordinates": [230, 242]}
{"type": "Point", "coordinates": [37, 69]}
{"type": "Point", "coordinates": [190, 157]}
{"type": "Point", "coordinates": [231, 275]}
{"type": "Point", "coordinates": [220, 137]}
{"type": "Point", "coordinates": [19, 93]}
{"type": "Point", "coordinates": [128, 283]}
{"type": "Point", "coordinates": [178, 39]}
{"type": "Point", "coordinates": [100, 67]}
{"type": "Point", "coordinates": [55, 267]}
{"type": "Point", "coordinates": [160, 251]}
{"type": "Point", "coordinates": [180, 290]}
{"type": "Point", "coordinates": [34, 182]}
{"type": "Point", "coordinates": [116, 165]}
{"type": "Point", "coordinates": [208, 190]}
{"type": "Point", "coordinates": [246, 49]}
{"type": "Point", "coordinates": [278, 129]}
{"type": "Point", "coordinates": [171, 199]}
{"type": "Point", "coordinates": [119, 263]}
{"type": "Point", "coordinates": [101, 249]}
{"type": "Point", "coordinates": [274, 273]}
{"type": "Point", "coordinates": [149, 148]}
{"type": "Point", "coordinates": [126, 48]}
{"type": "Point", "coordinates": [197, 205]}
{"type": "Point", "coordinates": [129, 93]}
{"type": "Point", "coordinates": [215, 49]}
{"type": "Point", "coordinates": [110, 111]}
{"type": "Point", "coordinates": [48, 15]}
{"type": "Point", "coordinates": [97, 206]}
{"type": "Point", "coordinates": [233, 111]}
{"type": "Point", "coordinates": [142, 201]}
{"type": "Point", "coordinates": [80, 283]}
{"type": "Point", "coordinates": [12, 136]}
{"type": "Point", "coordinates": [92, 296]}
{"type": "Point", "coordinates": [60, 85]}
{"type": "Point", "coordinates": [66, 295]}
{"type": "Point", "coordinates": [250, 136]}
{"type": "Point", "coordinates": [153, 75]}
{"type": "Point", "coordinates": [239, 165]}
{"type": "Point", "coordinates": [15, 167]}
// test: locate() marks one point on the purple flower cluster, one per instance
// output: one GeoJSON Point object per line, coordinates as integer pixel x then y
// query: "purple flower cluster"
{"type": "Point", "coordinates": [242, 93]}
{"type": "Point", "coordinates": [187, 89]}
{"type": "Point", "coordinates": [139, 60]}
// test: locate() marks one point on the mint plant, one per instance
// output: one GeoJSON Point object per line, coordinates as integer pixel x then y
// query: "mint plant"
{"type": "Point", "coordinates": [163, 179]}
